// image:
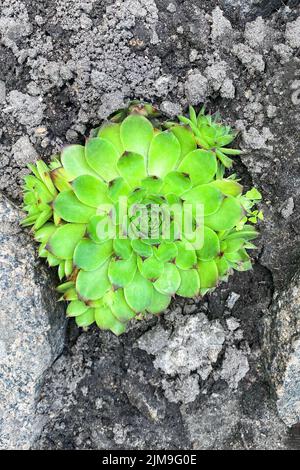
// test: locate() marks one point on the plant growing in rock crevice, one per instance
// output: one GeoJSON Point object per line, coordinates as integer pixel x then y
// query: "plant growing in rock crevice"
{"type": "Point", "coordinates": [140, 213]}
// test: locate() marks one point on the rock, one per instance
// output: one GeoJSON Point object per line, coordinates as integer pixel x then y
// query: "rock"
{"type": "Point", "coordinates": [255, 32]}
{"type": "Point", "coordinates": [292, 33]}
{"type": "Point", "coordinates": [255, 140]}
{"type": "Point", "coordinates": [2, 91]}
{"type": "Point", "coordinates": [208, 427]}
{"type": "Point", "coordinates": [252, 60]}
{"type": "Point", "coordinates": [183, 389]}
{"type": "Point", "coordinates": [144, 398]}
{"type": "Point", "coordinates": [234, 367]}
{"type": "Point", "coordinates": [288, 208]}
{"type": "Point", "coordinates": [282, 346]}
{"type": "Point", "coordinates": [216, 74]}
{"type": "Point", "coordinates": [221, 26]}
{"type": "Point", "coordinates": [31, 330]}
{"type": "Point", "coordinates": [196, 88]}
{"type": "Point", "coordinates": [171, 109]}
{"type": "Point", "coordinates": [195, 344]}
{"type": "Point", "coordinates": [27, 109]}
{"type": "Point", "coordinates": [23, 151]}
{"type": "Point", "coordinates": [232, 300]}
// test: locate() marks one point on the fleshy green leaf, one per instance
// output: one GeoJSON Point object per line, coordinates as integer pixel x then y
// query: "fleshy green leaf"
{"type": "Point", "coordinates": [102, 157]}
{"type": "Point", "coordinates": [190, 283]}
{"type": "Point", "coordinates": [138, 293]}
{"type": "Point", "coordinates": [118, 188]}
{"type": "Point", "coordinates": [227, 216]}
{"type": "Point", "coordinates": [119, 306]}
{"type": "Point", "coordinates": [74, 162]}
{"type": "Point", "coordinates": [234, 244]}
{"type": "Point", "coordinates": [86, 319]}
{"type": "Point", "coordinates": [176, 183]}
{"type": "Point", "coordinates": [247, 233]}
{"type": "Point", "coordinates": [121, 272]}
{"type": "Point", "coordinates": [141, 248]}
{"type": "Point", "coordinates": [60, 179]}
{"type": "Point", "coordinates": [152, 184]}
{"type": "Point", "coordinates": [44, 233]}
{"type": "Point", "coordinates": [107, 321]}
{"type": "Point", "coordinates": [159, 302]}
{"type": "Point", "coordinates": [151, 268]}
{"type": "Point", "coordinates": [166, 251]}
{"type": "Point", "coordinates": [76, 308]}
{"type": "Point", "coordinates": [65, 286]}
{"type": "Point", "coordinates": [92, 285]}
{"type": "Point", "coordinates": [186, 257]}
{"type": "Point", "coordinates": [90, 191]}
{"type": "Point", "coordinates": [101, 228]}
{"type": "Point", "coordinates": [211, 245]}
{"type": "Point", "coordinates": [111, 132]}
{"type": "Point", "coordinates": [164, 154]}
{"type": "Point", "coordinates": [228, 187]}
{"type": "Point", "coordinates": [208, 273]}
{"type": "Point", "coordinates": [122, 247]}
{"type": "Point", "coordinates": [222, 265]}
{"type": "Point", "coordinates": [186, 139]}
{"type": "Point", "coordinates": [169, 281]}
{"type": "Point", "coordinates": [136, 134]}
{"type": "Point", "coordinates": [89, 255]}
{"type": "Point", "coordinates": [64, 240]}
{"type": "Point", "coordinates": [132, 168]}
{"type": "Point", "coordinates": [70, 209]}
{"type": "Point", "coordinates": [200, 165]}
{"type": "Point", "coordinates": [206, 195]}
{"type": "Point", "coordinates": [42, 218]}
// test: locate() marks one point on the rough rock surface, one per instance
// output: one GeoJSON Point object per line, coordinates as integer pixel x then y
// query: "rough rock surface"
{"type": "Point", "coordinates": [31, 332]}
{"type": "Point", "coordinates": [283, 351]}
{"type": "Point", "coordinates": [64, 65]}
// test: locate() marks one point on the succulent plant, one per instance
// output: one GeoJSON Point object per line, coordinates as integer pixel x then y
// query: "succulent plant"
{"type": "Point", "coordinates": [141, 212]}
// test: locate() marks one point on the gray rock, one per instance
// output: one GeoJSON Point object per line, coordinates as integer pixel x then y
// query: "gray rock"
{"type": "Point", "coordinates": [31, 331]}
{"type": "Point", "coordinates": [282, 344]}
{"type": "Point", "coordinates": [255, 32]}
{"type": "Point", "coordinates": [196, 88]}
{"type": "Point", "coordinates": [252, 60]}
{"type": "Point", "coordinates": [2, 91]}
{"type": "Point", "coordinates": [27, 109]}
{"type": "Point", "coordinates": [234, 367]}
{"type": "Point", "coordinates": [288, 208]}
{"type": "Point", "coordinates": [292, 33]}
{"type": "Point", "coordinates": [195, 344]}
{"type": "Point", "coordinates": [23, 151]}
{"type": "Point", "coordinates": [216, 74]}
{"type": "Point", "coordinates": [183, 389]}
{"type": "Point", "coordinates": [221, 26]}
{"type": "Point", "coordinates": [232, 300]}
{"type": "Point", "coordinates": [171, 109]}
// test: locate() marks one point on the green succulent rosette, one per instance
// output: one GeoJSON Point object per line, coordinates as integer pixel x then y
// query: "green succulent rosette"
{"type": "Point", "coordinates": [112, 215]}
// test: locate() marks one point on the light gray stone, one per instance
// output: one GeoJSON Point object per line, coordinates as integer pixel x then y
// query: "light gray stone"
{"type": "Point", "coordinates": [28, 110]}
{"type": "Point", "coordinates": [196, 88]}
{"type": "Point", "coordinates": [221, 26]}
{"type": "Point", "coordinates": [252, 60]}
{"type": "Point", "coordinates": [292, 33]}
{"type": "Point", "coordinates": [194, 344]}
{"type": "Point", "coordinates": [31, 331]}
{"type": "Point", "coordinates": [2, 91]}
{"type": "Point", "coordinates": [234, 367]}
{"type": "Point", "coordinates": [282, 345]}
{"type": "Point", "coordinates": [23, 151]}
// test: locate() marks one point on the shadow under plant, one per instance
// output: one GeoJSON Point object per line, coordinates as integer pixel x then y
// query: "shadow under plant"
{"type": "Point", "coordinates": [204, 375]}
